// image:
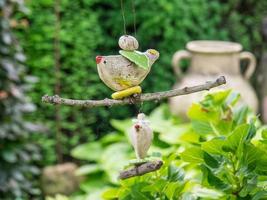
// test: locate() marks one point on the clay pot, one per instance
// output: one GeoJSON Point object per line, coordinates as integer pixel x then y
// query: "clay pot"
{"type": "Point", "coordinates": [210, 59]}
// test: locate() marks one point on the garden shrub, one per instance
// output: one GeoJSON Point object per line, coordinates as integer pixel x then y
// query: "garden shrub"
{"type": "Point", "coordinates": [219, 154]}
{"type": "Point", "coordinates": [18, 153]}
{"type": "Point", "coordinates": [92, 27]}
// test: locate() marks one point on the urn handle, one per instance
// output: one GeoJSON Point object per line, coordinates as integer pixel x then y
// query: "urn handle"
{"type": "Point", "coordinates": [177, 57]}
{"type": "Point", "coordinates": [251, 63]}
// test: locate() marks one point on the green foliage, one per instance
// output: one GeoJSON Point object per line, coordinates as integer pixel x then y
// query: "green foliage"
{"type": "Point", "coordinates": [219, 154]}
{"type": "Point", "coordinates": [92, 27]}
{"type": "Point", "coordinates": [17, 152]}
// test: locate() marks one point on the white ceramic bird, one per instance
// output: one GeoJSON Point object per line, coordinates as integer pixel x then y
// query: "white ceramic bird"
{"type": "Point", "coordinates": [141, 136]}
{"type": "Point", "coordinates": [125, 72]}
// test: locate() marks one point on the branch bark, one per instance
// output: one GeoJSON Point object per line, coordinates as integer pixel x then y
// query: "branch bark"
{"type": "Point", "coordinates": [141, 169]}
{"type": "Point", "coordinates": [157, 96]}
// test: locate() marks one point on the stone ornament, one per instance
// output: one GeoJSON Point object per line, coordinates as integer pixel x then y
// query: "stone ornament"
{"type": "Point", "coordinates": [123, 73]}
{"type": "Point", "coordinates": [128, 43]}
{"type": "Point", "coordinates": [141, 136]}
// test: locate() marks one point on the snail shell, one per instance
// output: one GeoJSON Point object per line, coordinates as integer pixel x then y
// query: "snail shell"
{"type": "Point", "coordinates": [128, 43]}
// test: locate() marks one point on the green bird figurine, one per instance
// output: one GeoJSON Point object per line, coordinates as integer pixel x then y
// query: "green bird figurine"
{"type": "Point", "coordinates": [123, 73]}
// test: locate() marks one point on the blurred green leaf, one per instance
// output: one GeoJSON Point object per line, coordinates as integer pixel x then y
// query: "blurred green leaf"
{"type": "Point", "coordinates": [213, 146]}
{"type": "Point", "coordinates": [236, 139]}
{"type": "Point", "coordinates": [114, 158]}
{"type": "Point", "coordinates": [210, 160]}
{"type": "Point", "coordinates": [87, 169]}
{"type": "Point", "coordinates": [111, 193]}
{"type": "Point", "coordinates": [193, 155]}
{"type": "Point", "coordinates": [175, 174]}
{"type": "Point", "coordinates": [91, 151]}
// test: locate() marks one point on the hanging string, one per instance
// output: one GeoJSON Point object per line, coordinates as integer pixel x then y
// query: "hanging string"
{"type": "Point", "coordinates": [134, 17]}
{"type": "Point", "coordinates": [123, 17]}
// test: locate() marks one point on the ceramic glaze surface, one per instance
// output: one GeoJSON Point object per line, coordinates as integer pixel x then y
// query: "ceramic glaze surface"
{"type": "Point", "coordinates": [118, 73]}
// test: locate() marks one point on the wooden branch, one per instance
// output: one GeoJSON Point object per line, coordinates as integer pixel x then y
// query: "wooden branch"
{"type": "Point", "coordinates": [135, 99]}
{"type": "Point", "coordinates": [141, 169]}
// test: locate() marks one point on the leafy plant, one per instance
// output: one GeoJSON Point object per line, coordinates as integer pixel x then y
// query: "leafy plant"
{"type": "Point", "coordinates": [219, 154]}
{"type": "Point", "coordinates": [92, 27]}
{"type": "Point", "coordinates": [229, 160]}
{"type": "Point", "coordinates": [18, 153]}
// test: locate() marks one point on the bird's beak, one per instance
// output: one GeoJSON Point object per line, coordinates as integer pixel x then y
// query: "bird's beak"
{"type": "Point", "coordinates": [137, 127]}
{"type": "Point", "coordinates": [98, 59]}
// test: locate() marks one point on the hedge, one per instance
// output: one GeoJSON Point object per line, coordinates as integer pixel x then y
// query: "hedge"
{"type": "Point", "coordinates": [92, 27]}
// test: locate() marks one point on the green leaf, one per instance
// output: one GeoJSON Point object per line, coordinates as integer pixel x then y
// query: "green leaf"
{"type": "Point", "coordinates": [214, 101]}
{"type": "Point", "coordinates": [252, 153]}
{"type": "Point", "coordinates": [233, 98]}
{"type": "Point", "coordinates": [261, 165]}
{"type": "Point", "coordinates": [261, 195]}
{"type": "Point", "coordinates": [96, 194]}
{"type": "Point", "coordinates": [171, 189]}
{"type": "Point", "coordinates": [136, 191]}
{"type": "Point", "coordinates": [111, 193]}
{"type": "Point", "coordinates": [205, 193]}
{"type": "Point", "coordinates": [251, 132]}
{"type": "Point", "coordinates": [193, 155]}
{"type": "Point", "coordinates": [139, 58]}
{"type": "Point", "coordinates": [199, 113]}
{"type": "Point", "coordinates": [237, 138]}
{"type": "Point", "coordinates": [213, 146]}
{"type": "Point", "coordinates": [121, 125]}
{"type": "Point", "coordinates": [249, 186]}
{"type": "Point", "coordinates": [9, 156]}
{"type": "Point", "coordinates": [240, 115]}
{"type": "Point", "coordinates": [87, 169]}
{"type": "Point", "coordinates": [91, 151]}
{"type": "Point", "coordinates": [114, 158]}
{"type": "Point", "coordinates": [264, 133]}
{"type": "Point", "coordinates": [112, 138]}
{"type": "Point", "coordinates": [201, 127]}
{"type": "Point", "coordinates": [219, 97]}
{"type": "Point", "coordinates": [175, 174]}
{"type": "Point", "coordinates": [212, 179]}
{"type": "Point", "coordinates": [174, 133]}
{"type": "Point", "coordinates": [93, 183]}
{"type": "Point", "coordinates": [210, 160]}
{"type": "Point", "coordinates": [158, 185]}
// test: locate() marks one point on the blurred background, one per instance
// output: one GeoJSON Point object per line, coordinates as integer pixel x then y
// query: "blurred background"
{"type": "Point", "coordinates": [49, 47]}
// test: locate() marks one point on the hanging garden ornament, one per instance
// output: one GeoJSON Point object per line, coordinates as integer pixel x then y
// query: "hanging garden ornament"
{"type": "Point", "coordinates": [123, 73]}
{"type": "Point", "coordinates": [141, 136]}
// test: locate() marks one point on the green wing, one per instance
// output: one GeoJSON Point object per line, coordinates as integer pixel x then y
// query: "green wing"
{"type": "Point", "coordinates": [137, 57]}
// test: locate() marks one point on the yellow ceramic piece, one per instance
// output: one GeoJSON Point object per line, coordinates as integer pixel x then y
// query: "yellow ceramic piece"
{"type": "Point", "coordinates": [123, 82]}
{"type": "Point", "coordinates": [127, 92]}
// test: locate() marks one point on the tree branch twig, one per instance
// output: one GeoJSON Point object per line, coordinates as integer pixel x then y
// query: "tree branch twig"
{"type": "Point", "coordinates": [141, 169]}
{"type": "Point", "coordinates": [157, 96]}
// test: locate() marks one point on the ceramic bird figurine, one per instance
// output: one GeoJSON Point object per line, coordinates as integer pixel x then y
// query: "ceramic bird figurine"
{"type": "Point", "coordinates": [123, 73]}
{"type": "Point", "coordinates": [141, 136]}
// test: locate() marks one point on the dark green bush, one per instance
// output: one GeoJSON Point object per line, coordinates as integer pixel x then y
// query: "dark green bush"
{"type": "Point", "coordinates": [17, 151]}
{"type": "Point", "coordinates": [92, 27]}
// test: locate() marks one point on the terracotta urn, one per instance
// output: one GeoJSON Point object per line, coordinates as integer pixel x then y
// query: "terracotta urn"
{"type": "Point", "coordinates": [210, 59]}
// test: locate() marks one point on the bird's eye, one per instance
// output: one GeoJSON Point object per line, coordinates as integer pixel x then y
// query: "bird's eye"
{"type": "Point", "coordinates": [105, 62]}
